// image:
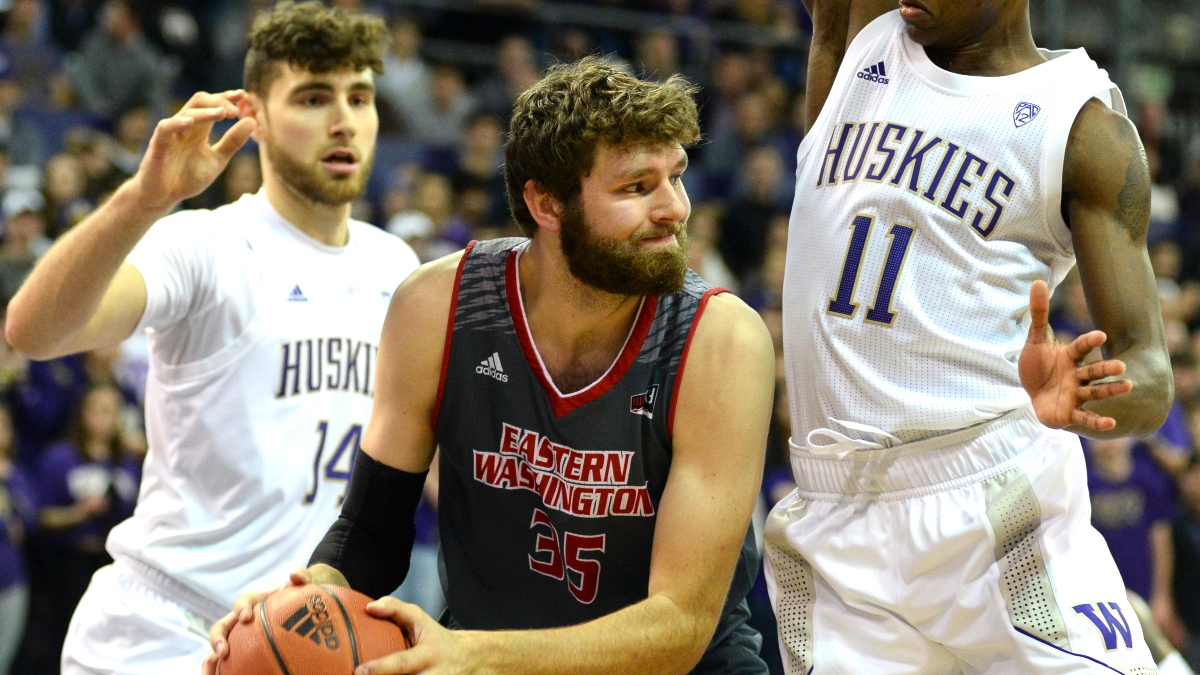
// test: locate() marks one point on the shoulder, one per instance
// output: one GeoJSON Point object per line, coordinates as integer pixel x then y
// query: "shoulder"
{"type": "Point", "coordinates": [428, 291]}
{"type": "Point", "coordinates": [1105, 166]}
{"type": "Point", "coordinates": [728, 323]}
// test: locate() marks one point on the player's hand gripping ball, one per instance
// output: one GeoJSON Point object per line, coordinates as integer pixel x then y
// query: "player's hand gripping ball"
{"type": "Point", "coordinates": [310, 630]}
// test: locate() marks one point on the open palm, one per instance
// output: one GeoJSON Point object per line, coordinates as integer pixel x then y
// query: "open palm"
{"type": "Point", "coordinates": [1055, 378]}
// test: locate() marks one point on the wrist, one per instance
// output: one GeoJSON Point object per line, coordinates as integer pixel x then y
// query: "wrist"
{"type": "Point", "coordinates": [136, 194]}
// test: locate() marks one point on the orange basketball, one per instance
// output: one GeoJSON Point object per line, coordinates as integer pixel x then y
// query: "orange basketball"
{"type": "Point", "coordinates": [310, 630]}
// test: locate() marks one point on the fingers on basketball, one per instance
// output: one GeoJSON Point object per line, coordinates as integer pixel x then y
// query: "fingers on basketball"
{"type": "Point", "coordinates": [310, 630]}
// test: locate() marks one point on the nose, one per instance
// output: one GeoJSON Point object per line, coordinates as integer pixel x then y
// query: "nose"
{"type": "Point", "coordinates": [671, 204]}
{"type": "Point", "coordinates": [342, 125]}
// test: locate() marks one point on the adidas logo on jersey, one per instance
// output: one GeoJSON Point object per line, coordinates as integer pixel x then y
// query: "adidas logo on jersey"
{"type": "Point", "coordinates": [312, 621]}
{"type": "Point", "coordinates": [492, 368]}
{"type": "Point", "coordinates": [297, 295]}
{"type": "Point", "coordinates": [876, 73]}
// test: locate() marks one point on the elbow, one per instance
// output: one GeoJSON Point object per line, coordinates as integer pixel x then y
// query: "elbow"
{"type": "Point", "coordinates": [1151, 403]}
{"type": "Point", "coordinates": [21, 336]}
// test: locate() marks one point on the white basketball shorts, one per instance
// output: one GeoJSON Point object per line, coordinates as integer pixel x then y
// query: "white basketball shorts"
{"type": "Point", "coordinates": [125, 625]}
{"type": "Point", "coordinates": [971, 552]}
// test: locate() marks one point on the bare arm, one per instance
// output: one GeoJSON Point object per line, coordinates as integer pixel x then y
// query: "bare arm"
{"type": "Point", "coordinates": [835, 24]}
{"type": "Point", "coordinates": [82, 294]}
{"type": "Point", "coordinates": [1106, 187]}
{"type": "Point", "coordinates": [720, 432]}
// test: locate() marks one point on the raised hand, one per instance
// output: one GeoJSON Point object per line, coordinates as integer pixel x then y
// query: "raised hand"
{"type": "Point", "coordinates": [179, 162]}
{"type": "Point", "coordinates": [1054, 378]}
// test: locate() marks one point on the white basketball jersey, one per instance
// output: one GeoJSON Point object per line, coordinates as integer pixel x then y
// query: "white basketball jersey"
{"type": "Point", "coordinates": [927, 203]}
{"type": "Point", "coordinates": [263, 344]}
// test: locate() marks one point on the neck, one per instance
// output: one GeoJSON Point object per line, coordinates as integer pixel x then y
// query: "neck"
{"type": "Point", "coordinates": [326, 224]}
{"type": "Point", "coordinates": [1004, 48]}
{"type": "Point", "coordinates": [570, 321]}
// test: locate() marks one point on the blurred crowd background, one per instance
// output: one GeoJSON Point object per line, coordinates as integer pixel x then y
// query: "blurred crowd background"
{"type": "Point", "coordinates": [82, 83]}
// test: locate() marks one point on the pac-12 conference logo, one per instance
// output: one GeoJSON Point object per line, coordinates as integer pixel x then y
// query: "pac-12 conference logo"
{"type": "Point", "coordinates": [1024, 113]}
{"type": "Point", "coordinates": [876, 73]}
{"type": "Point", "coordinates": [492, 368]}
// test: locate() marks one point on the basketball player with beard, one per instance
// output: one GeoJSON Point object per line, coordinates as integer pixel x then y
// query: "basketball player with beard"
{"type": "Point", "coordinates": [264, 319]}
{"type": "Point", "coordinates": [601, 415]}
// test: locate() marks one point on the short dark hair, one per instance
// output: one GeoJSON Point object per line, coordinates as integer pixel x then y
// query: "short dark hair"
{"type": "Point", "coordinates": [558, 122]}
{"type": "Point", "coordinates": [312, 37]}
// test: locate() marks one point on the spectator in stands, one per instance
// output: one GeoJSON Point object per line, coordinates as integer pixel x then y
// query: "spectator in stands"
{"type": "Point", "coordinates": [133, 130]}
{"type": "Point", "coordinates": [1132, 507]}
{"type": "Point", "coordinates": [86, 485]}
{"type": "Point", "coordinates": [21, 139]}
{"type": "Point", "coordinates": [1185, 533]}
{"type": "Point", "coordinates": [25, 239]}
{"type": "Point", "coordinates": [34, 59]}
{"type": "Point", "coordinates": [71, 21]}
{"type": "Point", "coordinates": [516, 69]}
{"type": "Point", "coordinates": [703, 258]}
{"type": "Point", "coordinates": [730, 79]}
{"type": "Point", "coordinates": [94, 151]}
{"type": "Point", "coordinates": [730, 148]}
{"type": "Point", "coordinates": [479, 170]}
{"type": "Point", "coordinates": [117, 69]}
{"type": "Point", "coordinates": [64, 182]}
{"type": "Point", "coordinates": [743, 239]}
{"type": "Point", "coordinates": [438, 114]}
{"type": "Point", "coordinates": [18, 516]}
{"type": "Point", "coordinates": [405, 73]}
{"type": "Point", "coordinates": [243, 176]}
{"type": "Point", "coordinates": [658, 55]}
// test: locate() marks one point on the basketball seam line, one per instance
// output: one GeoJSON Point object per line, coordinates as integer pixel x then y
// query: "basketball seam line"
{"type": "Point", "coordinates": [349, 628]}
{"type": "Point", "coordinates": [262, 618]}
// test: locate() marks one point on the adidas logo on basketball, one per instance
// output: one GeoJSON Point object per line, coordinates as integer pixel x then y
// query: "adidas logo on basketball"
{"type": "Point", "coordinates": [312, 621]}
{"type": "Point", "coordinates": [876, 73]}
{"type": "Point", "coordinates": [492, 368]}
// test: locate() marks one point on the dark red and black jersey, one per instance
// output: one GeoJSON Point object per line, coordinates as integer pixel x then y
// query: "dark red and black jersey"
{"type": "Point", "coordinates": [548, 502]}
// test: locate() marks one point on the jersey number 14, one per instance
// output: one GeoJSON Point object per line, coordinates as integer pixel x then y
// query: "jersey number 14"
{"type": "Point", "coordinates": [880, 313]}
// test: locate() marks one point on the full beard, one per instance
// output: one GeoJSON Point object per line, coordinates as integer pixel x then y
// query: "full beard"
{"type": "Point", "coordinates": [620, 267]}
{"type": "Point", "coordinates": [312, 184]}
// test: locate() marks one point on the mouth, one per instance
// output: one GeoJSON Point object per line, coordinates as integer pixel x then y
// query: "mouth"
{"type": "Point", "coordinates": [911, 10]}
{"type": "Point", "coordinates": [340, 161]}
{"type": "Point", "coordinates": [654, 239]}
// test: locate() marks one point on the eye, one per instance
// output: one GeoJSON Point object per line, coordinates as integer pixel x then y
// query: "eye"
{"type": "Point", "coordinates": [634, 188]}
{"type": "Point", "coordinates": [676, 179]}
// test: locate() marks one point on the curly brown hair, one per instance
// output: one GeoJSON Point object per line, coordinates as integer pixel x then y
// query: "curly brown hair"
{"type": "Point", "coordinates": [312, 37]}
{"type": "Point", "coordinates": [558, 122]}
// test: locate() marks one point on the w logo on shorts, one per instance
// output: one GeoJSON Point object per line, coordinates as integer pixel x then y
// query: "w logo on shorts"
{"type": "Point", "coordinates": [1108, 625]}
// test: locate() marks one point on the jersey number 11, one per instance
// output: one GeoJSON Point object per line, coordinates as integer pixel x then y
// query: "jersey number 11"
{"type": "Point", "coordinates": [880, 313]}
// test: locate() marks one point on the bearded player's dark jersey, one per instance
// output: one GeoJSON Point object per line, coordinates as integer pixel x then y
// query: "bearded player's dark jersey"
{"type": "Point", "coordinates": [548, 502]}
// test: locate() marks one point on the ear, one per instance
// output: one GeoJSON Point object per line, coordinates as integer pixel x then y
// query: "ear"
{"type": "Point", "coordinates": [252, 106]}
{"type": "Point", "coordinates": [546, 210]}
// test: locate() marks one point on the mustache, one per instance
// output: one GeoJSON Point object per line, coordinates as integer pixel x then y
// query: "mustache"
{"type": "Point", "coordinates": [656, 233]}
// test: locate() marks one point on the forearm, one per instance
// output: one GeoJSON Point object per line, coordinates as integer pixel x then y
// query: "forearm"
{"type": "Point", "coordinates": [65, 288]}
{"type": "Point", "coordinates": [1145, 408]}
{"type": "Point", "coordinates": [653, 636]}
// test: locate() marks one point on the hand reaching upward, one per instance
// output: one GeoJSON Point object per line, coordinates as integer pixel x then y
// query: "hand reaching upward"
{"type": "Point", "coordinates": [1054, 378]}
{"type": "Point", "coordinates": [179, 161]}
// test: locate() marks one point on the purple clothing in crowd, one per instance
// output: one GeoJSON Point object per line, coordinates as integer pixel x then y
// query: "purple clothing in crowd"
{"type": "Point", "coordinates": [1124, 512]}
{"type": "Point", "coordinates": [65, 476]}
{"type": "Point", "coordinates": [18, 506]}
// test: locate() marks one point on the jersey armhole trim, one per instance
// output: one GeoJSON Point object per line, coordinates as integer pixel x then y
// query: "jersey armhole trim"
{"type": "Point", "coordinates": [684, 354]}
{"type": "Point", "coordinates": [437, 401]}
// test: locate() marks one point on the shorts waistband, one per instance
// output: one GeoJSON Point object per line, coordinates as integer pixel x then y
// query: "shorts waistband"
{"type": "Point", "coordinates": [919, 468]}
{"type": "Point", "coordinates": [164, 585]}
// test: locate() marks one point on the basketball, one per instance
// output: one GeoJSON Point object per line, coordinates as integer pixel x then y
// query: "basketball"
{"type": "Point", "coordinates": [310, 630]}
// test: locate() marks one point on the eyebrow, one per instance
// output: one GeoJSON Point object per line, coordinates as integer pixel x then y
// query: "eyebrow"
{"type": "Point", "coordinates": [326, 87]}
{"type": "Point", "coordinates": [635, 174]}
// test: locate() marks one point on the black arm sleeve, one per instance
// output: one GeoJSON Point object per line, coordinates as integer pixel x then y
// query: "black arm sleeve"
{"type": "Point", "coordinates": [371, 541]}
